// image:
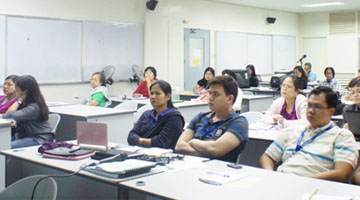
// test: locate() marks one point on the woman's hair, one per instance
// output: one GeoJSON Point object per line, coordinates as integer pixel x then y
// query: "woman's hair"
{"type": "Point", "coordinates": [33, 95]}
{"type": "Point", "coordinates": [332, 70]}
{"type": "Point", "coordinates": [230, 73]}
{"type": "Point", "coordinates": [301, 70]}
{"type": "Point", "coordinates": [153, 70]}
{"type": "Point", "coordinates": [12, 77]}
{"type": "Point", "coordinates": [296, 81]}
{"type": "Point", "coordinates": [355, 84]}
{"type": "Point", "coordinates": [166, 88]}
{"type": "Point", "coordinates": [252, 69]}
{"type": "Point", "coordinates": [209, 69]}
{"type": "Point", "coordinates": [102, 78]}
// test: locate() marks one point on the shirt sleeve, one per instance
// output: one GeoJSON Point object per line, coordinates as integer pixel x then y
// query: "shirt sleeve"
{"type": "Point", "coordinates": [136, 132]}
{"type": "Point", "coordinates": [140, 88]}
{"type": "Point", "coordinates": [239, 127]}
{"type": "Point", "coordinates": [193, 122]}
{"type": "Point", "coordinates": [276, 148]}
{"type": "Point", "coordinates": [30, 112]}
{"type": "Point", "coordinates": [346, 148]}
{"type": "Point", "coordinates": [99, 97]}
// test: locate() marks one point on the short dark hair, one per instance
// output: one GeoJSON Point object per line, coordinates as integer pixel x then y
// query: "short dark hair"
{"type": "Point", "coordinates": [330, 95]}
{"type": "Point", "coordinates": [228, 83]}
{"type": "Point", "coordinates": [166, 88]}
{"type": "Point", "coordinates": [308, 64]}
{"type": "Point", "coordinates": [355, 84]}
{"type": "Point", "coordinates": [12, 77]}
{"type": "Point", "coordinates": [332, 70]}
{"type": "Point", "coordinates": [102, 78]}
{"type": "Point", "coordinates": [296, 81]}
{"type": "Point", "coordinates": [153, 70]}
{"type": "Point", "coordinates": [230, 73]}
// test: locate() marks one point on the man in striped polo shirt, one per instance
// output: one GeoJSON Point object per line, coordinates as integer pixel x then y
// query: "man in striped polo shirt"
{"type": "Point", "coordinates": [321, 150]}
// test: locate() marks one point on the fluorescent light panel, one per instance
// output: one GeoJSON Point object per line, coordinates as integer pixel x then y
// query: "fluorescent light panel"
{"type": "Point", "coordinates": [323, 4]}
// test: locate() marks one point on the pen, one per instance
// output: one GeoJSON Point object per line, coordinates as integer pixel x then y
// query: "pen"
{"type": "Point", "coordinates": [224, 175]}
{"type": "Point", "coordinates": [313, 194]}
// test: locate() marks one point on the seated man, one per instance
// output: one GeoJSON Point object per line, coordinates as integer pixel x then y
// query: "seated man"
{"type": "Point", "coordinates": [309, 73]}
{"type": "Point", "coordinates": [321, 150]}
{"type": "Point", "coordinates": [220, 133]}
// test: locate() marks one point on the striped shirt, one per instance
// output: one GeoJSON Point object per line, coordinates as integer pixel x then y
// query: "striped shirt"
{"type": "Point", "coordinates": [332, 146]}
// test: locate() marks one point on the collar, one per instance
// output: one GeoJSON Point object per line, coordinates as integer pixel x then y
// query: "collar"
{"type": "Point", "coordinates": [319, 129]}
{"type": "Point", "coordinates": [212, 114]}
{"type": "Point", "coordinates": [153, 113]}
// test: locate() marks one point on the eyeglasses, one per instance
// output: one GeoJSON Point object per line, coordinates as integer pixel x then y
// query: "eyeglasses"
{"type": "Point", "coordinates": [316, 108]}
{"type": "Point", "coordinates": [354, 93]}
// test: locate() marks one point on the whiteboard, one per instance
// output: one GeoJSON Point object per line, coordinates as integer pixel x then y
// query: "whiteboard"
{"type": "Point", "coordinates": [2, 48]}
{"type": "Point", "coordinates": [50, 50]}
{"type": "Point", "coordinates": [230, 51]}
{"type": "Point", "coordinates": [111, 44]}
{"type": "Point", "coordinates": [284, 53]}
{"type": "Point", "coordinates": [259, 53]}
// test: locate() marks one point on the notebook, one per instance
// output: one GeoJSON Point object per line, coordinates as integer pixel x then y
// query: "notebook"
{"type": "Point", "coordinates": [352, 118]}
{"type": "Point", "coordinates": [122, 169]}
{"type": "Point", "coordinates": [92, 135]}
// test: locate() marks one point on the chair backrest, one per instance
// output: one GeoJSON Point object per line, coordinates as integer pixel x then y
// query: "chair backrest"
{"type": "Point", "coordinates": [252, 116]}
{"type": "Point", "coordinates": [54, 120]}
{"type": "Point", "coordinates": [141, 110]}
{"type": "Point", "coordinates": [127, 105]}
{"type": "Point", "coordinates": [22, 189]}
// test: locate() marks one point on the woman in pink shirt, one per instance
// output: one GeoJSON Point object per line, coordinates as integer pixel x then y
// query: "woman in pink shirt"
{"type": "Point", "coordinates": [8, 98]}
{"type": "Point", "coordinates": [291, 106]}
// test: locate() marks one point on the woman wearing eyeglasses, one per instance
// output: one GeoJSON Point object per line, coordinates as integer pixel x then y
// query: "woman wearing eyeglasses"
{"type": "Point", "coordinates": [290, 107]}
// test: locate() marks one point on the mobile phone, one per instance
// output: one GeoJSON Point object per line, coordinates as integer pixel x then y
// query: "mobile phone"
{"type": "Point", "coordinates": [234, 165]}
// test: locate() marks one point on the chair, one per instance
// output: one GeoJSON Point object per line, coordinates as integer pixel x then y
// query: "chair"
{"type": "Point", "coordinates": [22, 189]}
{"type": "Point", "coordinates": [127, 105]}
{"type": "Point", "coordinates": [54, 120]}
{"type": "Point", "coordinates": [252, 116]}
{"type": "Point", "coordinates": [141, 110]}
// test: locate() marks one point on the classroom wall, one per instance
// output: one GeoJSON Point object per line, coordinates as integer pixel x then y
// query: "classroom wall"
{"type": "Point", "coordinates": [323, 49]}
{"type": "Point", "coordinates": [164, 30]}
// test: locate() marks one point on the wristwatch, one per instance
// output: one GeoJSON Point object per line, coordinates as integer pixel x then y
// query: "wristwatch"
{"type": "Point", "coordinates": [19, 101]}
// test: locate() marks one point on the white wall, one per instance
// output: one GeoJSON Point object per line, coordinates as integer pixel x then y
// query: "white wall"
{"type": "Point", "coordinates": [323, 49]}
{"type": "Point", "coordinates": [164, 30]}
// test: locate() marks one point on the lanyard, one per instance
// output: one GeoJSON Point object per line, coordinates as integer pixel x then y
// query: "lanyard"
{"type": "Point", "coordinates": [207, 132]}
{"type": "Point", "coordinates": [299, 146]}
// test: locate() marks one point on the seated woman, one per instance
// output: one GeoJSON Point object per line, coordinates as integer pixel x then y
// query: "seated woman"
{"type": "Point", "coordinates": [8, 99]}
{"type": "Point", "coordinates": [290, 107]}
{"type": "Point", "coordinates": [353, 80]}
{"type": "Point", "coordinates": [202, 84]}
{"type": "Point", "coordinates": [355, 97]}
{"type": "Point", "coordinates": [300, 73]}
{"type": "Point", "coordinates": [330, 81]}
{"type": "Point", "coordinates": [150, 78]}
{"type": "Point", "coordinates": [238, 101]}
{"type": "Point", "coordinates": [253, 80]}
{"type": "Point", "coordinates": [31, 116]}
{"type": "Point", "coordinates": [99, 95]}
{"type": "Point", "coordinates": [162, 126]}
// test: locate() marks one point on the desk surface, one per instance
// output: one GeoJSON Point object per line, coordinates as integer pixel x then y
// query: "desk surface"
{"type": "Point", "coordinates": [251, 97]}
{"type": "Point", "coordinates": [5, 122]}
{"type": "Point", "coordinates": [257, 184]}
{"type": "Point", "coordinates": [86, 111]}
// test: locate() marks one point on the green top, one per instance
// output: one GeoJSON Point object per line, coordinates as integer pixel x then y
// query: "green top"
{"type": "Point", "coordinates": [99, 97]}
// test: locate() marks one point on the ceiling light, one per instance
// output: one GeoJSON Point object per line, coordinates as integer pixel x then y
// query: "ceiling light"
{"type": "Point", "coordinates": [324, 4]}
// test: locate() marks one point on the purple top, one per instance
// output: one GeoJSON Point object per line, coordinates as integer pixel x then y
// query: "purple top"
{"type": "Point", "coordinates": [286, 115]}
{"type": "Point", "coordinates": [5, 107]}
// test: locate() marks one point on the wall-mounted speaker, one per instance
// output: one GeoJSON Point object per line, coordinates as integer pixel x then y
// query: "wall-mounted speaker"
{"type": "Point", "coordinates": [271, 20]}
{"type": "Point", "coordinates": [151, 4]}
